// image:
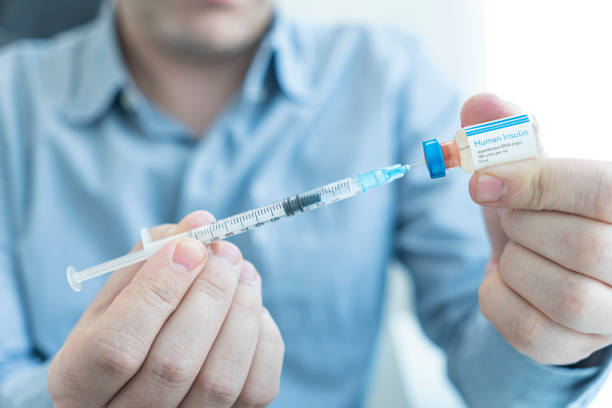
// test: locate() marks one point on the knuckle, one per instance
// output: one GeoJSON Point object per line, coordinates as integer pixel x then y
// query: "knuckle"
{"type": "Point", "coordinates": [220, 390]}
{"type": "Point", "coordinates": [573, 302]}
{"type": "Point", "coordinates": [591, 248]}
{"type": "Point", "coordinates": [536, 196]}
{"type": "Point", "coordinates": [528, 330]}
{"type": "Point", "coordinates": [172, 371]}
{"type": "Point", "coordinates": [230, 247]}
{"type": "Point", "coordinates": [261, 395]}
{"type": "Point", "coordinates": [225, 249]}
{"type": "Point", "coordinates": [119, 358]}
{"type": "Point", "coordinates": [158, 294]}
{"type": "Point", "coordinates": [507, 219]}
{"type": "Point", "coordinates": [507, 262]}
{"type": "Point", "coordinates": [603, 194]}
{"type": "Point", "coordinates": [250, 323]}
{"type": "Point", "coordinates": [248, 301]}
{"type": "Point", "coordinates": [514, 223]}
{"type": "Point", "coordinates": [213, 283]}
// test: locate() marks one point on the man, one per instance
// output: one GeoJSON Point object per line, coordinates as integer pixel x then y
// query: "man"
{"type": "Point", "coordinates": [164, 107]}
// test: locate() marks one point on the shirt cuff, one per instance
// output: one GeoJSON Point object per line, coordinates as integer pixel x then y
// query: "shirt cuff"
{"type": "Point", "coordinates": [490, 372]}
{"type": "Point", "coordinates": [604, 368]}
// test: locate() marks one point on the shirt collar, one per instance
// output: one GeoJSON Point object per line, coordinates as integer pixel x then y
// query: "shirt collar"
{"type": "Point", "coordinates": [280, 51]}
{"type": "Point", "coordinates": [100, 72]}
{"type": "Point", "coordinates": [101, 75]}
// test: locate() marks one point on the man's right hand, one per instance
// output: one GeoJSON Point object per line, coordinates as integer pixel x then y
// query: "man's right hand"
{"type": "Point", "coordinates": [186, 328]}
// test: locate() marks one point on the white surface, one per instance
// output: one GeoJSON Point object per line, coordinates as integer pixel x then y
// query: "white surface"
{"type": "Point", "coordinates": [451, 30]}
{"type": "Point", "coordinates": [553, 59]}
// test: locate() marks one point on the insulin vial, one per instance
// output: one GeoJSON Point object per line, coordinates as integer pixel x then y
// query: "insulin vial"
{"type": "Point", "coordinates": [487, 144]}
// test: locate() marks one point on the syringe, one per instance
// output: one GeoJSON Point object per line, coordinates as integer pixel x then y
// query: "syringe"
{"type": "Point", "coordinates": [245, 221]}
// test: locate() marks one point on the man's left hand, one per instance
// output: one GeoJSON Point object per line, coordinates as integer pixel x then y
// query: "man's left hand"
{"type": "Point", "coordinates": [548, 286]}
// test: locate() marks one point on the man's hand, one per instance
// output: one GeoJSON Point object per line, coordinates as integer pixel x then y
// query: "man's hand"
{"type": "Point", "coordinates": [548, 287]}
{"type": "Point", "coordinates": [185, 328]}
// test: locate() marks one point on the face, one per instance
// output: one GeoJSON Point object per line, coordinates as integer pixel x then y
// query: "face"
{"type": "Point", "coordinates": [199, 28]}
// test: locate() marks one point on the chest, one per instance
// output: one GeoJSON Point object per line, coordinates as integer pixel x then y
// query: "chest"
{"type": "Point", "coordinates": [91, 195]}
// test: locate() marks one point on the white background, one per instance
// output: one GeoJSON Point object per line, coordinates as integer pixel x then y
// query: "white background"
{"type": "Point", "coordinates": [553, 58]}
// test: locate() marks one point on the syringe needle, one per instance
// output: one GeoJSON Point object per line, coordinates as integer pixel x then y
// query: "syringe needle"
{"type": "Point", "coordinates": [410, 166]}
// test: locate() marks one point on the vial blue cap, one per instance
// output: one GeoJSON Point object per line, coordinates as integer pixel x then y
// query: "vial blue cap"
{"type": "Point", "coordinates": [434, 158]}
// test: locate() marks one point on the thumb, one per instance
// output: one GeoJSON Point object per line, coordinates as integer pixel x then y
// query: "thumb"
{"type": "Point", "coordinates": [481, 108]}
{"type": "Point", "coordinates": [485, 107]}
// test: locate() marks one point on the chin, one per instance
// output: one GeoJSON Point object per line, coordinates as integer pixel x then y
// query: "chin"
{"type": "Point", "coordinates": [220, 35]}
{"type": "Point", "coordinates": [209, 42]}
{"type": "Point", "coordinates": [214, 31]}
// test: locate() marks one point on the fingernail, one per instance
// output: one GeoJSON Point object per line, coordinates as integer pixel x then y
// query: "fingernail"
{"type": "Point", "coordinates": [227, 251]}
{"type": "Point", "coordinates": [248, 273]}
{"type": "Point", "coordinates": [189, 253]}
{"type": "Point", "coordinates": [500, 212]}
{"type": "Point", "coordinates": [489, 188]}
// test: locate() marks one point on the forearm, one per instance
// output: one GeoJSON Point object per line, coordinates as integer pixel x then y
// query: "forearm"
{"type": "Point", "coordinates": [488, 371]}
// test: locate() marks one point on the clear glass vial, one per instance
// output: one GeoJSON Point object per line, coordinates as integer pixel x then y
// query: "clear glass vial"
{"type": "Point", "coordinates": [486, 144]}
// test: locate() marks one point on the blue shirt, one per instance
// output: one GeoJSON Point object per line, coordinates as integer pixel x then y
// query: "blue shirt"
{"type": "Point", "coordinates": [86, 161]}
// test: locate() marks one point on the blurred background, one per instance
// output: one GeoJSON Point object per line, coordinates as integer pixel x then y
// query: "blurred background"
{"type": "Point", "coordinates": [550, 57]}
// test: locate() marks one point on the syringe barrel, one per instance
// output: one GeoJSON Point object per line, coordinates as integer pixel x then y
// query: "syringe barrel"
{"type": "Point", "coordinates": [236, 224]}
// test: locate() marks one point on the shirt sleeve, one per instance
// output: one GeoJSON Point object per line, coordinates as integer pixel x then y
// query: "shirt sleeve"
{"type": "Point", "coordinates": [23, 376]}
{"type": "Point", "coordinates": [441, 239]}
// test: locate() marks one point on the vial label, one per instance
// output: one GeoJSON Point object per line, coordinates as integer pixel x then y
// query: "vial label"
{"type": "Point", "coordinates": [502, 141]}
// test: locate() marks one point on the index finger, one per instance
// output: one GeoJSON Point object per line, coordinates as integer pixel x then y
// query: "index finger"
{"type": "Point", "coordinates": [575, 186]}
{"type": "Point", "coordinates": [120, 279]}
{"type": "Point", "coordinates": [110, 351]}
